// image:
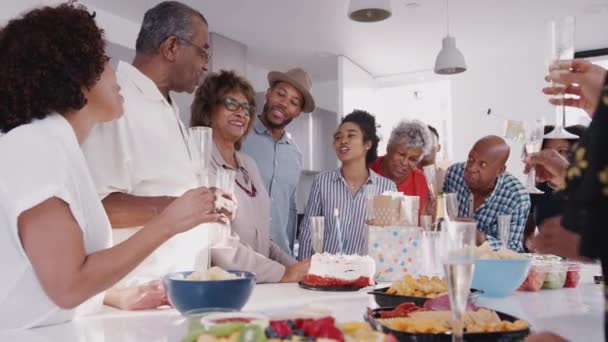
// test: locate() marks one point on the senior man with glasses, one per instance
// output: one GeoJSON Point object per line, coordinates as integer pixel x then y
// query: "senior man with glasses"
{"type": "Point", "coordinates": [140, 162]}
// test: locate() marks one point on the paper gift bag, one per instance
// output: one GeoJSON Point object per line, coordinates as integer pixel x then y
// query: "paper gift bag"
{"type": "Point", "coordinates": [395, 209]}
{"type": "Point", "coordinates": [395, 249]}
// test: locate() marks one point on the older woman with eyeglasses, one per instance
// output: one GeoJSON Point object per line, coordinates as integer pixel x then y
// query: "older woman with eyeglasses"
{"type": "Point", "coordinates": [226, 103]}
{"type": "Point", "coordinates": [409, 142]}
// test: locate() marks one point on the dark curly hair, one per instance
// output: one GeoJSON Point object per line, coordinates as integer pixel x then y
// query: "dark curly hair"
{"type": "Point", "coordinates": [211, 93]}
{"type": "Point", "coordinates": [46, 58]}
{"type": "Point", "coordinates": [367, 124]}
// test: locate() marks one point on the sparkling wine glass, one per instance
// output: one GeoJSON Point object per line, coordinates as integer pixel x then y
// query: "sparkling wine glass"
{"type": "Point", "coordinates": [432, 251]}
{"type": "Point", "coordinates": [430, 173]}
{"type": "Point", "coordinates": [451, 202]}
{"type": "Point", "coordinates": [370, 192]}
{"type": "Point", "coordinates": [561, 48]}
{"type": "Point", "coordinates": [317, 226]}
{"type": "Point", "coordinates": [458, 266]}
{"type": "Point", "coordinates": [225, 180]}
{"type": "Point", "coordinates": [533, 144]}
{"type": "Point", "coordinates": [199, 146]}
{"type": "Point", "coordinates": [426, 222]}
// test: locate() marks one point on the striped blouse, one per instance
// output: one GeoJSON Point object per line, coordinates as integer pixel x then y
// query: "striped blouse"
{"type": "Point", "coordinates": [329, 191]}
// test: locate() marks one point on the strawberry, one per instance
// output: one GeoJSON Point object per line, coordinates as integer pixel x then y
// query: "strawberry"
{"type": "Point", "coordinates": [330, 331]}
{"type": "Point", "coordinates": [281, 328]}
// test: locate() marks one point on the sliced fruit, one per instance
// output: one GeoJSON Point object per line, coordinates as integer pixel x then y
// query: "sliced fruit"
{"type": "Point", "coordinates": [252, 333]}
{"type": "Point", "coordinates": [193, 335]}
{"type": "Point", "coordinates": [224, 330]}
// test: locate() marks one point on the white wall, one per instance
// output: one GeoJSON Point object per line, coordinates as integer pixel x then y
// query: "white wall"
{"type": "Point", "coordinates": [232, 55]}
{"type": "Point", "coordinates": [392, 99]}
{"type": "Point", "coordinates": [509, 81]}
{"type": "Point", "coordinates": [356, 87]}
{"type": "Point", "coordinates": [432, 106]}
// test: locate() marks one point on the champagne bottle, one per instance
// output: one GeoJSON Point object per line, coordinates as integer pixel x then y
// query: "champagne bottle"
{"type": "Point", "coordinates": [441, 214]}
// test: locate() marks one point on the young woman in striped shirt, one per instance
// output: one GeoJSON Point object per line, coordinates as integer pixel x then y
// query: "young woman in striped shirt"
{"type": "Point", "coordinates": [356, 145]}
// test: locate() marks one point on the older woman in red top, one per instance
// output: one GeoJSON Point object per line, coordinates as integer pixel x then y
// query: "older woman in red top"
{"type": "Point", "coordinates": [410, 141]}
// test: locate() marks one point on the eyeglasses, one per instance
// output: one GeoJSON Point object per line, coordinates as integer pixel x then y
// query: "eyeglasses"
{"type": "Point", "coordinates": [204, 53]}
{"type": "Point", "coordinates": [234, 105]}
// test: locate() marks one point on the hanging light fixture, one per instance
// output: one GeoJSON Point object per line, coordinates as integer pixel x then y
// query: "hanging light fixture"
{"type": "Point", "coordinates": [369, 11]}
{"type": "Point", "coordinates": [449, 60]}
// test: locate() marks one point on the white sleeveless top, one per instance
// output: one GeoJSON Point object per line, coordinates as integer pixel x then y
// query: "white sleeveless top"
{"type": "Point", "coordinates": [39, 161]}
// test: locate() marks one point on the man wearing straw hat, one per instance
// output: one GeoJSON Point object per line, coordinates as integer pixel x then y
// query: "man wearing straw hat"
{"type": "Point", "coordinates": [278, 157]}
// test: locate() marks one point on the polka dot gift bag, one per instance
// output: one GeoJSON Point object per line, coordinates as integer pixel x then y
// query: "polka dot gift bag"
{"type": "Point", "coordinates": [395, 250]}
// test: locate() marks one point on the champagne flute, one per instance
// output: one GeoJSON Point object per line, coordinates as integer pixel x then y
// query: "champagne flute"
{"type": "Point", "coordinates": [225, 180]}
{"type": "Point", "coordinates": [533, 144]}
{"type": "Point", "coordinates": [458, 267]}
{"type": "Point", "coordinates": [370, 192]}
{"type": "Point", "coordinates": [426, 222]}
{"type": "Point", "coordinates": [561, 48]}
{"type": "Point", "coordinates": [317, 225]}
{"type": "Point", "coordinates": [199, 143]}
{"type": "Point", "coordinates": [430, 173]}
{"type": "Point", "coordinates": [451, 201]}
{"type": "Point", "coordinates": [432, 250]}
{"type": "Point", "coordinates": [199, 147]}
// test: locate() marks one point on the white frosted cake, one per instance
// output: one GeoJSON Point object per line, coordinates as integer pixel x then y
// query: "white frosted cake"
{"type": "Point", "coordinates": [341, 270]}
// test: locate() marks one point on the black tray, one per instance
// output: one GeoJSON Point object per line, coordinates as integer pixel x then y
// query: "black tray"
{"type": "Point", "coordinates": [507, 336]}
{"type": "Point", "coordinates": [384, 299]}
{"type": "Point", "coordinates": [329, 288]}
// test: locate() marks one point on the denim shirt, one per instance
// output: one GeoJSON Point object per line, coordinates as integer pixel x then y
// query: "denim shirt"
{"type": "Point", "coordinates": [280, 164]}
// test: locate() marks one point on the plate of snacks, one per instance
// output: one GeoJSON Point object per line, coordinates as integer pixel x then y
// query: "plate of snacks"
{"type": "Point", "coordinates": [298, 329]}
{"type": "Point", "coordinates": [409, 322]}
{"type": "Point", "coordinates": [415, 290]}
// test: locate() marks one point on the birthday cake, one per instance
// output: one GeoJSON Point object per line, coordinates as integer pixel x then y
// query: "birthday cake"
{"type": "Point", "coordinates": [331, 270]}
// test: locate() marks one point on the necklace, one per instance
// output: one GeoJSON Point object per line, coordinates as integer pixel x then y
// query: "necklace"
{"type": "Point", "coordinates": [250, 191]}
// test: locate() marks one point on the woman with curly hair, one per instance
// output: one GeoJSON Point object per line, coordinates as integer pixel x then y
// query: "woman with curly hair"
{"type": "Point", "coordinates": [356, 145]}
{"type": "Point", "coordinates": [226, 103]}
{"type": "Point", "coordinates": [410, 141]}
{"type": "Point", "coordinates": [55, 85]}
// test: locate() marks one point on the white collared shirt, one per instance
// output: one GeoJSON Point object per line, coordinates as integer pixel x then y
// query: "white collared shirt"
{"type": "Point", "coordinates": [144, 153]}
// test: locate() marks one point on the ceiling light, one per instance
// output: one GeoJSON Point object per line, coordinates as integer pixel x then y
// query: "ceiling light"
{"type": "Point", "coordinates": [449, 60]}
{"type": "Point", "coordinates": [369, 11]}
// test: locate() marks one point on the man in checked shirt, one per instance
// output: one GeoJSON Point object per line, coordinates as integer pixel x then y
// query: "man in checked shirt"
{"type": "Point", "coordinates": [484, 187]}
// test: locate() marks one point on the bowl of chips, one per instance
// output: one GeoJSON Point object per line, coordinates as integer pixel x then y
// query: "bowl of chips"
{"type": "Point", "coordinates": [436, 325]}
{"type": "Point", "coordinates": [499, 273]}
{"type": "Point", "coordinates": [417, 290]}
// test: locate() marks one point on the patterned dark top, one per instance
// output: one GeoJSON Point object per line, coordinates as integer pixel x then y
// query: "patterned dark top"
{"type": "Point", "coordinates": [587, 190]}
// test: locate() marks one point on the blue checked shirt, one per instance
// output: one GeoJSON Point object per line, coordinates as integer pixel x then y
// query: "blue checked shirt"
{"type": "Point", "coordinates": [329, 191]}
{"type": "Point", "coordinates": [280, 164]}
{"type": "Point", "coordinates": [509, 197]}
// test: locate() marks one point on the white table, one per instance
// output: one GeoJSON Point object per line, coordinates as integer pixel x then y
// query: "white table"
{"type": "Point", "coordinates": [572, 313]}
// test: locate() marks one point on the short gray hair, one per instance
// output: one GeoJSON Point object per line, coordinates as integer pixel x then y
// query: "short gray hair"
{"type": "Point", "coordinates": [168, 18]}
{"type": "Point", "coordinates": [412, 133]}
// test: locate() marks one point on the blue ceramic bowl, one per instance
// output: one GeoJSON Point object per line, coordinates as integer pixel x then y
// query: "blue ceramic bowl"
{"type": "Point", "coordinates": [196, 295]}
{"type": "Point", "coordinates": [500, 278]}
